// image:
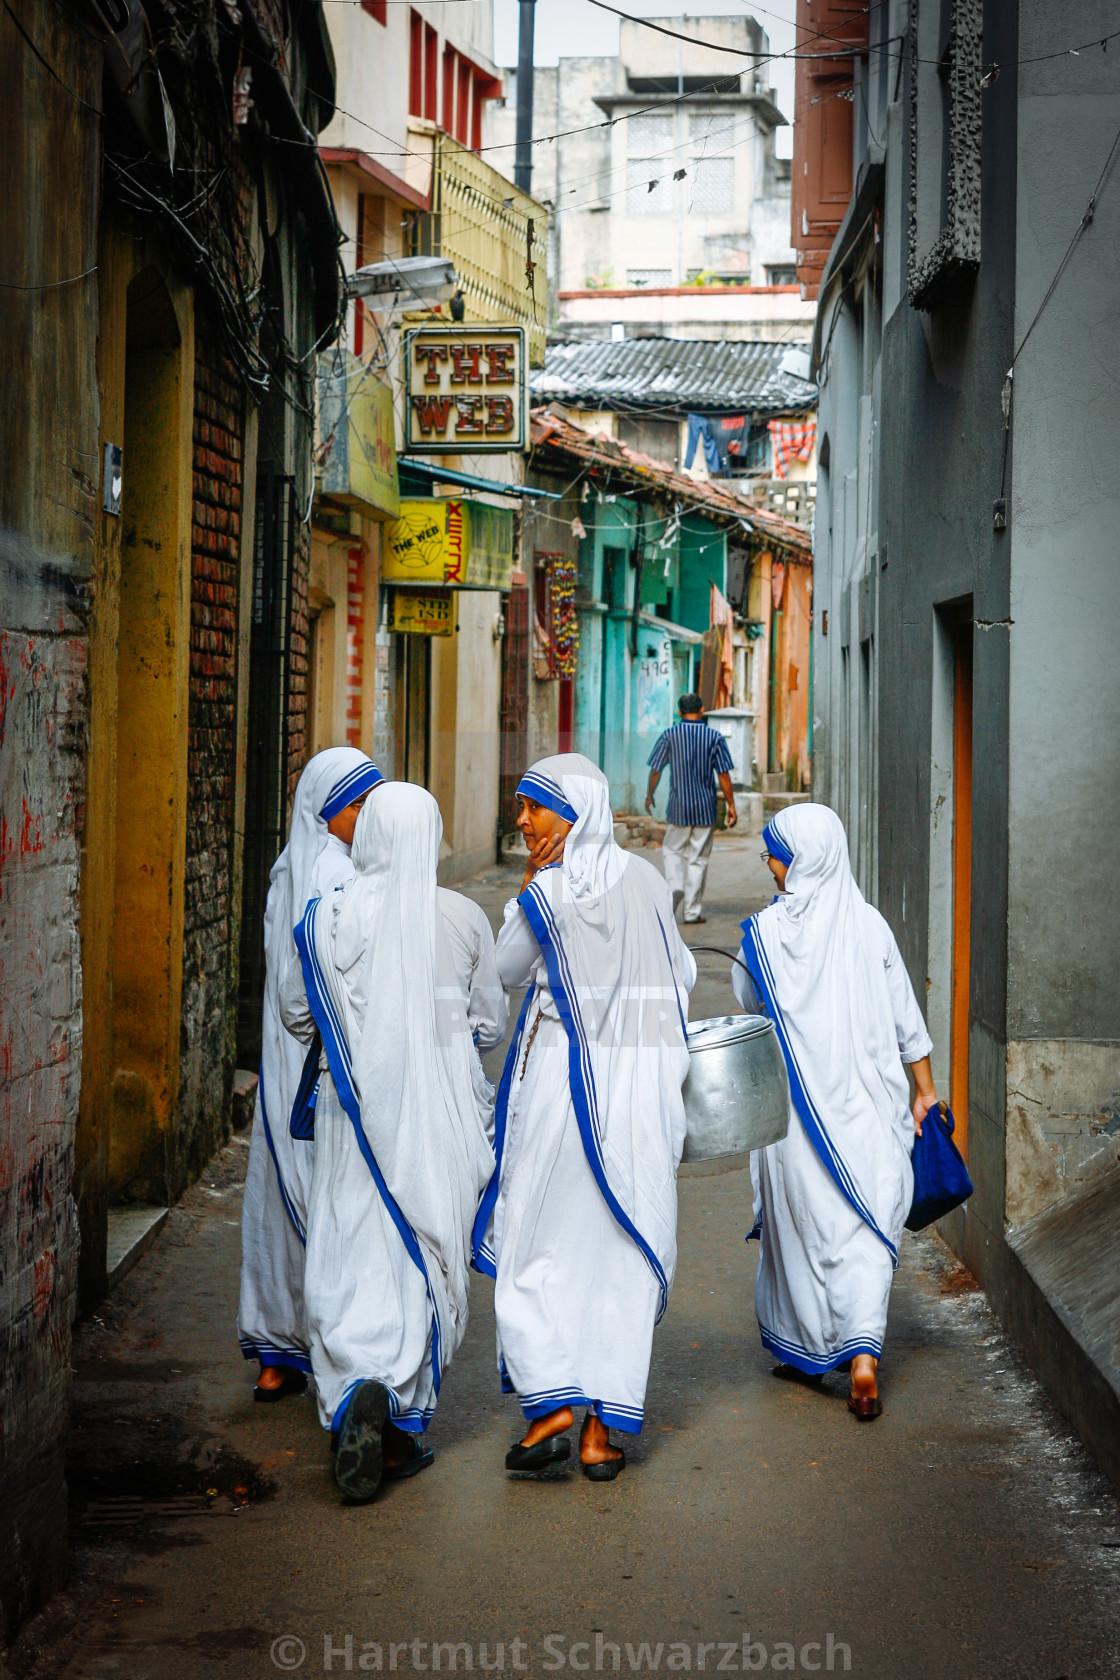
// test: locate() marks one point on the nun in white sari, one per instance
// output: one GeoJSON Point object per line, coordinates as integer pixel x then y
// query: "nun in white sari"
{"type": "Point", "coordinates": [398, 976]}
{"type": "Point", "coordinates": [590, 1123]}
{"type": "Point", "coordinates": [271, 1324]}
{"type": "Point", "coordinates": [832, 1197]}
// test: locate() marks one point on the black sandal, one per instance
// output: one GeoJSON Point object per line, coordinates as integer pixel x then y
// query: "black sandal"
{"type": "Point", "coordinates": [292, 1382]}
{"type": "Point", "coordinates": [358, 1458]}
{"type": "Point", "coordinates": [554, 1449]}
{"type": "Point", "coordinates": [607, 1470]}
{"type": "Point", "coordinates": [418, 1459]}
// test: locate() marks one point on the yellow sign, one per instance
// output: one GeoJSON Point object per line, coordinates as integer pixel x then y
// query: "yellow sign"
{"type": "Point", "coordinates": [424, 615]}
{"type": "Point", "coordinates": [468, 545]}
{"type": "Point", "coordinates": [416, 550]}
{"type": "Point", "coordinates": [465, 390]}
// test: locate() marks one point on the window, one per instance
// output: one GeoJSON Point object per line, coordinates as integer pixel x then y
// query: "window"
{"type": "Point", "coordinates": [713, 186]}
{"type": "Point", "coordinates": [781, 274]}
{"type": "Point", "coordinates": [650, 164]}
{"type": "Point", "coordinates": [711, 136]}
{"type": "Point", "coordinates": [415, 65]}
{"type": "Point", "coordinates": [649, 277]}
{"type": "Point", "coordinates": [431, 73]}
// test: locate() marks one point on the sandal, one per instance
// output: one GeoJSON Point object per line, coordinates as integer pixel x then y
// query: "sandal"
{"type": "Point", "coordinates": [292, 1382]}
{"type": "Point", "coordinates": [418, 1459]}
{"type": "Point", "coordinates": [358, 1459]}
{"type": "Point", "coordinates": [865, 1406]}
{"type": "Point", "coordinates": [554, 1449]}
{"type": "Point", "coordinates": [607, 1470]}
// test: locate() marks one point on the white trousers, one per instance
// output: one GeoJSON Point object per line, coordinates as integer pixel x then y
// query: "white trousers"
{"type": "Point", "coordinates": [685, 853]}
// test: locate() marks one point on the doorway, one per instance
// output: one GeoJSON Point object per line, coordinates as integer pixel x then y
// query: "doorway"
{"type": "Point", "coordinates": [962, 879]}
{"type": "Point", "coordinates": [266, 763]}
{"type": "Point", "coordinates": [150, 750]}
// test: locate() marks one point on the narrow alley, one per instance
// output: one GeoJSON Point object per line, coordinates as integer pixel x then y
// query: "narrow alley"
{"type": "Point", "coordinates": [758, 1528]}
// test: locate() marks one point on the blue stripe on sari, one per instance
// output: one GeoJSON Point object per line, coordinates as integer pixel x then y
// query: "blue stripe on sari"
{"type": "Point", "coordinates": [338, 1058]}
{"type": "Point", "coordinates": [542, 790]}
{"type": "Point", "coordinates": [755, 958]}
{"type": "Point", "coordinates": [581, 1076]}
{"type": "Point", "coordinates": [483, 1258]}
{"type": "Point", "coordinates": [284, 1197]}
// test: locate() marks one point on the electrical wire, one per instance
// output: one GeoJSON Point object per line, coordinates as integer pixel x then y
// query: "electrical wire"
{"type": "Point", "coordinates": [49, 285]}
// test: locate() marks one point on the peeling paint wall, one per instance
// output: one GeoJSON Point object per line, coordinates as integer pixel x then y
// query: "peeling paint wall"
{"type": "Point", "coordinates": [48, 494]}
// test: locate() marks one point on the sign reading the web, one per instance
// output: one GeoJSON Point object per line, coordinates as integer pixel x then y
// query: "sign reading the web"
{"type": "Point", "coordinates": [467, 390]}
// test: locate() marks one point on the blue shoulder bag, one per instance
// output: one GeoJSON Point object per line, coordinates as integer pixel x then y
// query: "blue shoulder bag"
{"type": "Point", "coordinates": [941, 1180]}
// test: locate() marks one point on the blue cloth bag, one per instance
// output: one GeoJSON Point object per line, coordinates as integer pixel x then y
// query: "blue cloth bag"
{"type": "Point", "coordinates": [941, 1180]}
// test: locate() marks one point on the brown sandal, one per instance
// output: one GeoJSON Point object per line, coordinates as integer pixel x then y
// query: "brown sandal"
{"type": "Point", "coordinates": [865, 1406]}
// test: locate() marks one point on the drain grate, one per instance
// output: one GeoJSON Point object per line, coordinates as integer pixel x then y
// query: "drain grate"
{"type": "Point", "coordinates": [127, 1510]}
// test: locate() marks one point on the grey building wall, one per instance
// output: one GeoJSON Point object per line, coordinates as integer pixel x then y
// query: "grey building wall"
{"type": "Point", "coordinates": [915, 455]}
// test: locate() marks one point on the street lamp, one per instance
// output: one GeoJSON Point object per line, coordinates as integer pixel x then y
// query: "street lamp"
{"type": "Point", "coordinates": [402, 284]}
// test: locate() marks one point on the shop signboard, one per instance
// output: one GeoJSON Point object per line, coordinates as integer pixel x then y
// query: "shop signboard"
{"type": "Point", "coordinates": [466, 390]}
{"type": "Point", "coordinates": [422, 612]}
{"type": "Point", "coordinates": [464, 545]}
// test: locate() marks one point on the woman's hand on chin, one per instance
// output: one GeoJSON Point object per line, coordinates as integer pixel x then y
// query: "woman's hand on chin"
{"type": "Point", "coordinates": [549, 849]}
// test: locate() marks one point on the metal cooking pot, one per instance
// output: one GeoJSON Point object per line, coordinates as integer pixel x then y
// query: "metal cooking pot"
{"type": "Point", "coordinates": [736, 1096]}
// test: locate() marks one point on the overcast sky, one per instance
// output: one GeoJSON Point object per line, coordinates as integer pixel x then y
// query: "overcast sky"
{"type": "Point", "coordinates": [575, 29]}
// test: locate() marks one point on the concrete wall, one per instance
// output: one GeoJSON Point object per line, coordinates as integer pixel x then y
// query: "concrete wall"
{"type": "Point", "coordinates": [914, 459]}
{"type": "Point", "coordinates": [1063, 984]}
{"type": "Point", "coordinates": [49, 500]}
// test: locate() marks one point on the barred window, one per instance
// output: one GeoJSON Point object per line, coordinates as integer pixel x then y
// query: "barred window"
{"type": "Point", "coordinates": [713, 185]}
{"type": "Point", "coordinates": [649, 277]}
{"type": "Point", "coordinates": [649, 140]}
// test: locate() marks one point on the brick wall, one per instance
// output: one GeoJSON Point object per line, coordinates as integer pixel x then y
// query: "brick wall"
{"type": "Point", "coordinates": [300, 661]}
{"type": "Point", "coordinates": [208, 1009]}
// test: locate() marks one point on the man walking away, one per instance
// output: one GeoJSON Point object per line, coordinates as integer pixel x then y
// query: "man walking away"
{"type": "Point", "coordinates": [696, 754]}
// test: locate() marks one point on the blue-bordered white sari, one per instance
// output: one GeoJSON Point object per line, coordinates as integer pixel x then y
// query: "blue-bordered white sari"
{"type": "Point", "coordinates": [579, 1224]}
{"type": "Point", "coordinates": [402, 1114]}
{"type": "Point", "coordinates": [271, 1321]}
{"type": "Point", "coordinates": [832, 1197]}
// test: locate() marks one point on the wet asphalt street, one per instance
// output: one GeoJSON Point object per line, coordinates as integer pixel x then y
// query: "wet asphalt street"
{"type": "Point", "coordinates": [758, 1527]}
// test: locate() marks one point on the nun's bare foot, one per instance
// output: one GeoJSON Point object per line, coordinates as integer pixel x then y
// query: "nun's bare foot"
{"type": "Point", "coordinates": [541, 1428]}
{"type": "Point", "coordinates": [864, 1383]}
{"type": "Point", "coordinates": [272, 1376]}
{"type": "Point", "coordinates": [595, 1442]}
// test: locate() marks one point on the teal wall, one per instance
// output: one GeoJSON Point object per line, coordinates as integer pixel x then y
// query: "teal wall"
{"type": "Point", "coordinates": [631, 671]}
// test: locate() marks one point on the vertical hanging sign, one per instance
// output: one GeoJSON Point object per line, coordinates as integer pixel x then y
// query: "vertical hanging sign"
{"type": "Point", "coordinates": [466, 390]}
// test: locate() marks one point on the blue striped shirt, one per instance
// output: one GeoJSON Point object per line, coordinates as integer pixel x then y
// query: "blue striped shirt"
{"type": "Point", "coordinates": [696, 754]}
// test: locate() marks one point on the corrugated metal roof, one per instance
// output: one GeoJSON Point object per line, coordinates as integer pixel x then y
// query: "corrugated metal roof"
{"type": "Point", "coordinates": [677, 375]}
{"type": "Point", "coordinates": [550, 434]}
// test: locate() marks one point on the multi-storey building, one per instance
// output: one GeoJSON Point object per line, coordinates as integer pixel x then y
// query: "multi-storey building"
{"type": "Point", "coordinates": [664, 183]}
{"type": "Point", "coordinates": [952, 213]}
{"type": "Point", "coordinates": [409, 179]}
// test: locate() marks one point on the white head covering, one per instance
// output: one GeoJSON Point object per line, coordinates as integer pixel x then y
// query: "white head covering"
{"type": "Point", "coordinates": [330, 781]}
{"type": "Point", "coordinates": [382, 955]}
{"type": "Point", "coordinates": [339, 773]}
{"type": "Point", "coordinates": [577, 790]}
{"type": "Point", "coordinates": [819, 956]}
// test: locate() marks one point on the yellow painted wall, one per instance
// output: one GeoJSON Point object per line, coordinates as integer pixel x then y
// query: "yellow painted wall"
{"type": "Point", "coordinates": [133, 871]}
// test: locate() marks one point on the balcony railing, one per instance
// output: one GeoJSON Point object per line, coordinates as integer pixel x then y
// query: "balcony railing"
{"type": "Point", "coordinates": [496, 236]}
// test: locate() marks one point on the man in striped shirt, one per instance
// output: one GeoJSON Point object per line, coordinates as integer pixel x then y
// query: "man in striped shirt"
{"type": "Point", "coordinates": [696, 754]}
